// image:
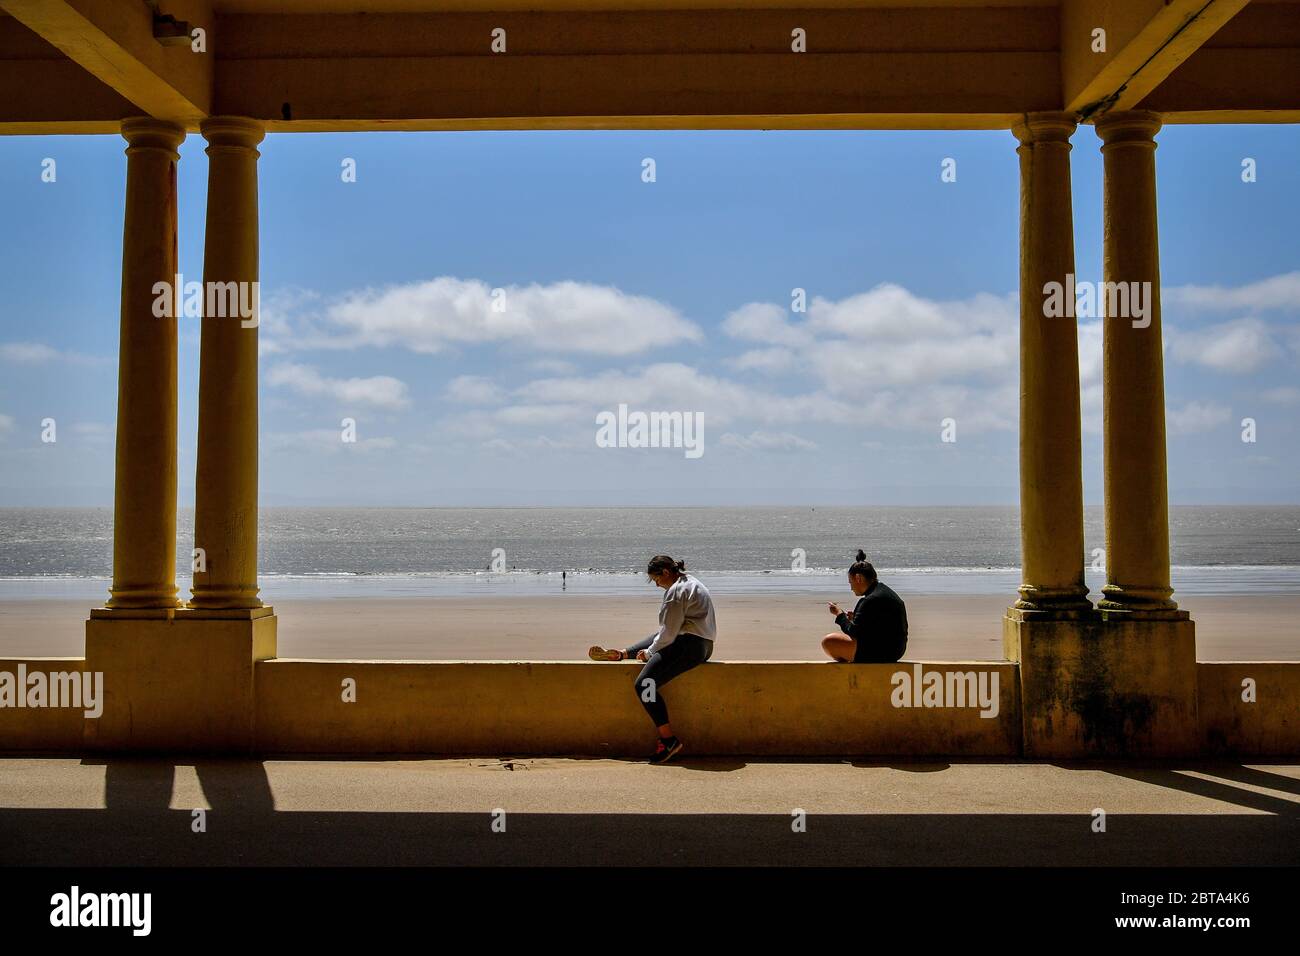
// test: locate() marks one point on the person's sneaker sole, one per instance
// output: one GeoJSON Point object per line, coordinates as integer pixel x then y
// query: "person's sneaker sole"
{"type": "Point", "coordinates": [667, 755]}
{"type": "Point", "coordinates": [598, 653]}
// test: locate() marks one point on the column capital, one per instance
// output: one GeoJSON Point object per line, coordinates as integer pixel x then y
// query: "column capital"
{"type": "Point", "coordinates": [232, 131]}
{"type": "Point", "coordinates": [1133, 127]}
{"type": "Point", "coordinates": [1045, 127]}
{"type": "Point", "coordinates": [145, 132]}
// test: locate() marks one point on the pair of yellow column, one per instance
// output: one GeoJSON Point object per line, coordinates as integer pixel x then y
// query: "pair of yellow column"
{"type": "Point", "coordinates": [1137, 532]}
{"type": "Point", "coordinates": [1051, 488]}
{"type": "Point", "coordinates": [225, 520]}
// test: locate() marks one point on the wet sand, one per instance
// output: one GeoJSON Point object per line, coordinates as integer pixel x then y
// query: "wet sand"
{"type": "Point", "coordinates": [779, 627]}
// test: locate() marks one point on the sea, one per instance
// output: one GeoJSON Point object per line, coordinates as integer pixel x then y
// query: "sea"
{"type": "Point", "coordinates": [454, 552]}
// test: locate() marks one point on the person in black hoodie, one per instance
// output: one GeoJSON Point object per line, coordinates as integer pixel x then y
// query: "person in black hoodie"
{"type": "Point", "coordinates": [874, 632]}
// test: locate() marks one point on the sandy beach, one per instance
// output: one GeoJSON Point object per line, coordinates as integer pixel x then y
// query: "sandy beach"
{"type": "Point", "coordinates": [778, 627]}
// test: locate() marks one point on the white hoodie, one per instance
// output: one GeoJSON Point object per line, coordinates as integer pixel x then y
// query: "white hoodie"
{"type": "Point", "coordinates": [687, 609]}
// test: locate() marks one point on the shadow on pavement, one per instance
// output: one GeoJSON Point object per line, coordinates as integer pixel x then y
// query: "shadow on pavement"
{"type": "Point", "coordinates": [137, 827]}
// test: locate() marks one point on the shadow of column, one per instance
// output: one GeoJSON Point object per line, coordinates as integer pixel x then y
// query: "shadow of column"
{"type": "Point", "coordinates": [237, 785]}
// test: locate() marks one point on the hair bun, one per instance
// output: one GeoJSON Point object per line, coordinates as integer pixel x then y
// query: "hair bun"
{"type": "Point", "coordinates": [862, 555]}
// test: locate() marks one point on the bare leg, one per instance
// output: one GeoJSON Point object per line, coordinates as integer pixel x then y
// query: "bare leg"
{"type": "Point", "coordinates": [839, 647]}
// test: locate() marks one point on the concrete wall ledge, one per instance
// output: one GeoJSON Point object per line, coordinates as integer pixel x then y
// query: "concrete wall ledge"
{"type": "Point", "coordinates": [777, 708]}
{"type": "Point", "coordinates": [45, 729]}
{"type": "Point", "coordinates": [584, 708]}
{"type": "Point", "coordinates": [1250, 708]}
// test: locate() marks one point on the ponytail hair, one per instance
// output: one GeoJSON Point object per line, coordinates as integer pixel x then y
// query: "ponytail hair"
{"type": "Point", "coordinates": [662, 562]}
{"type": "Point", "coordinates": [863, 568]}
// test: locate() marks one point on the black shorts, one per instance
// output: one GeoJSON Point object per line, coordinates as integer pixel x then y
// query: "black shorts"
{"type": "Point", "coordinates": [880, 652]}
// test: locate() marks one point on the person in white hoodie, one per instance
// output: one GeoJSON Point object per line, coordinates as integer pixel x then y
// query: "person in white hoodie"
{"type": "Point", "coordinates": [687, 630]}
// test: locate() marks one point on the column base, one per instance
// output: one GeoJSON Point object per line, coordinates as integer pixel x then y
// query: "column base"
{"type": "Point", "coordinates": [1105, 685]}
{"type": "Point", "coordinates": [145, 597]}
{"type": "Point", "coordinates": [1116, 613]}
{"type": "Point", "coordinates": [1118, 597]}
{"type": "Point", "coordinates": [177, 680]}
{"type": "Point", "coordinates": [207, 598]}
{"type": "Point", "coordinates": [1053, 601]}
{"type": "Point", "coordinates": [1029, 611]}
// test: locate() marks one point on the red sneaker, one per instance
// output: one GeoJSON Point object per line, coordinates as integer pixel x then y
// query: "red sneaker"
{"type": "Point", "coordinates": [666, 752]}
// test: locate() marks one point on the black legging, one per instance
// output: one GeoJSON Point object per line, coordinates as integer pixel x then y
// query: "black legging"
{"type": "Point", "coordinates": [687, 651]}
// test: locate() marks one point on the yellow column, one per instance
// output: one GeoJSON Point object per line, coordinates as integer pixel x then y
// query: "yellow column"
{"type": "Point", "coordinates": [225, 508]}
{"type": "Point", "coordinates": [1051, 476]}
{"type": "Point", "coordinates": [1137, 498]}
{"type": "Point", "coordinates": [144, 497]}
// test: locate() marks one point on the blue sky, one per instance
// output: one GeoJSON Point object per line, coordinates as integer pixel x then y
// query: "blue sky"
{"type": "Point", "coordinates": [671, 295]}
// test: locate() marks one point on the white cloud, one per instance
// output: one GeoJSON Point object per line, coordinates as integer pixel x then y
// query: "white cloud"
{"type": "Point", "coordinates": [1196, 417]}
{"type": "Point", "coordinates": [1284, 395]}
{"type": "Point", "coordinates": [96, 432]}
{"type": "Point", "coordinates": [669, 386]}
{"type": "Point", "coordinates": [763, 360]}
{"type": "Point", "coordinates": [679, 387]}
{"type": "Point", "coordinates": [280, 327]}
{"type": "Point", "coordinates": [540, 414]}
{"type": "Point", "coordinates": [37, 353]}
{"type": "Point", "coordinates": [380, 391]}
{"type": "Point", "coordinates": [27, 353]}
{"type": "Point", "coordinates": [527, 445]}
{"type": "Point", "coordinates": [1276, 292]}
{"type": "Point", "coordinates": [856, 370]}
{"type": "Point", "coordinates": [6, 423]}
{"type": "Point", "coordinates": [328, 440]}
{"type": "Point", "coordinates": [767, 441]}
{"type": "Point", "coordinates": [886, 313]}
{"type": "Point", "coordinates": [766, 323]}
{"type": "Point", "coordinates": [885, 337]}
{"type": "Point", "coordinates": [554, 366]}
{"type": "Point", "coordinates": [442, 313]}
{"type": "Point", "coordinates": [1090, 353]}
{"type": "Point", "coordinates": [890, 357]}
{"type": "Point", "coordinates": [474, 390]}
{"type": "Point", "coordinates": [472, 423]}
{"type": "Point", "coordinates": [883, 358]}
{"type": "Point", "coordinates": [1090, 376]}
{"type": "Point", "coordinates": [1241, 346]}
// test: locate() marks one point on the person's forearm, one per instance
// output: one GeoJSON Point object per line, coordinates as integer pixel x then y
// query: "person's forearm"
{"type": "Point", "coordinates": [670, 623]}
{"type": "Point", "coordinates": [640, 645]}
{"type": "Point", "coordinates": [661, 638]}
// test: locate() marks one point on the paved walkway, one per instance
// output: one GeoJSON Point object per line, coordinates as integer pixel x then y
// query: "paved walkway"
{"type": "Point", "coordinates": [96, 811]}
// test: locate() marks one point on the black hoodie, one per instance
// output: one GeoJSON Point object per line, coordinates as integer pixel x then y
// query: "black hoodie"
{"type": "Point", "coordinates": [879, 626]}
